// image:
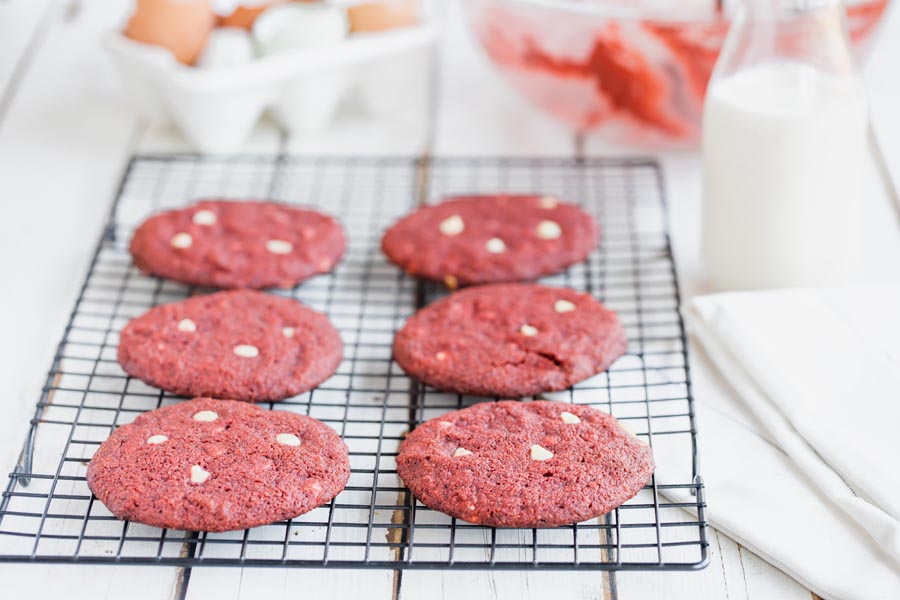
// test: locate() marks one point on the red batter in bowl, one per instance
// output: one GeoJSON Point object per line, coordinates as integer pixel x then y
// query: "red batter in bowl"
{"type": "Point", "coordinates": [636, 70]}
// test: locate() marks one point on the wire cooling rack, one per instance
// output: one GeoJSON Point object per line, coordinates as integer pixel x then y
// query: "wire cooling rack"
{"type": "Point", "coordinates": [49, 515]}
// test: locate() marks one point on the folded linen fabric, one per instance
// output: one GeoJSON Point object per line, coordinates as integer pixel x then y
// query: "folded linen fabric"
{"type": "Point", "coordinates": [800, 448]}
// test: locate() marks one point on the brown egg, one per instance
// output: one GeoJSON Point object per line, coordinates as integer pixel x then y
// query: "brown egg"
{"type": "Point", "coordinates": [380, 16]}
{"type": "Point", "coordinates": [181, 26]}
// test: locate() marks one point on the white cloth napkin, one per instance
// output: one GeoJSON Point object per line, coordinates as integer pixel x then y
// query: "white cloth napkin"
{"type": "Point", "coordinates": [800, 449]}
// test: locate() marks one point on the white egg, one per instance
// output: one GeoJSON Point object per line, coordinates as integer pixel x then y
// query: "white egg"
{"type": "Point", "coordinates": [226, 47]}
{"type": "Point", "coordinates": [297, 25]}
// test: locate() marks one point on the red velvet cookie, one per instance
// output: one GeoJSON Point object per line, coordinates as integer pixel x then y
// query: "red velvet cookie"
{"type": "Point", "coordinates": [242, 345]}
{"type": "Point", "coordinates": [524, 464]}
{"type": "Point", "coordinates": [509, 340]}
{"type": "Point", "coordinates": [238, 244]}
{"type": "Point", "coordinates": [218, 465]}
{"type": "Point", "coordinates": [482, 239]}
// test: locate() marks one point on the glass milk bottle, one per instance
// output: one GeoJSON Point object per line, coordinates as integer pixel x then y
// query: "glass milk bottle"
{"type": "Point", "coordinates": [784, 150]}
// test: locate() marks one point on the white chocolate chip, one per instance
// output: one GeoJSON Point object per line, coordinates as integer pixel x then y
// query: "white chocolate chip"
{"type": "Point", "coordinates": [204, 217]}
{"type": "Point", "coordinates": [444, 423]}
{"type": "Point", "coordinates": [495, 246]}
{"type": "Point", "coordinates": [451, 282]}
{"type": "Point", "coordinates": [630, 430]}
{"type": "Point", "coordinates": [452, 225]}
{"type": "Point", "coordinates": [549, 230]}
{"type": "Point", "coordinates": [187, 325]}
{"type": "Point", "coordinates": [206, 416]}
{"type": "Point", "coordinates": [288, 439]}
{"type": "Point", "coordinates": [563, 306]}
{"type": "Point", "coordinates": [569, 418]}
{"type": "Point", "coordinates": [441, 355]}
{"type": "Point", "coordinates": [182, 240]}
{"type": "Point", "coordinates": [528, 331]}
{"type": "Point", "coordinates": [540, 453]}
{"type": "Point", "coordinates": [246, 351]}
{"type": "Point", "coordinates": [287, 332]}
{"type": "Point", "coordinates": [548, 202]}
{"type": "Point", "coordinates": [279, 246]}
{"type": "Point", "coordinates": [199, 474]}
{"type": "Point", "coordinates": [156, 439]}
{"type": "Point", "coordinates": [461, 452]}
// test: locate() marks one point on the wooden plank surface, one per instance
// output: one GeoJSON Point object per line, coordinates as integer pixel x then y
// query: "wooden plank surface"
{"type": "Point", "coordinates": [22, 27]}
{"type": "Point", "coordinates": [63, 144]}
{"type": "Point", "coordinates": [64, 137]}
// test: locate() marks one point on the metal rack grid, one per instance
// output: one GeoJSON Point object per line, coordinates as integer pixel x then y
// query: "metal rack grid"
{"type": "Point", "coordinates": [49, 515]}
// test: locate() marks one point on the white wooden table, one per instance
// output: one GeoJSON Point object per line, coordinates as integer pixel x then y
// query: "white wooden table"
{"type": "Point", "coordinates": [66, 132]}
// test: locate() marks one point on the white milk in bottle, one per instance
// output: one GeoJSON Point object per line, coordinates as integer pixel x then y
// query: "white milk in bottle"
{"type": "Point", "coordinates": [784, 153]}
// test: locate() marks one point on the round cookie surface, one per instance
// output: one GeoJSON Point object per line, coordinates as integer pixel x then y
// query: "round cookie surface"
{"type": "Point", "coordinates": [241, 345]}
{"type": "Point", "coordinates": [482, 239]}
{"type": "Point", "coordinates": [238, 244]}
{"type": "Point", "coordinates": [218, 465]}
{"type": "Point", "coordinates": [509, 340]}
{"type": "Point", "coordinates": [524, 464]}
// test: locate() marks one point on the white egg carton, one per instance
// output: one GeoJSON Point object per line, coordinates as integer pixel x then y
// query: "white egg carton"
{"type": "Point", "coordinates": [216, 109]}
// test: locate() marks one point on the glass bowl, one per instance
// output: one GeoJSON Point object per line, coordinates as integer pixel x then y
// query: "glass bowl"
{"type": "Point", "coordinates": [634, 70]}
